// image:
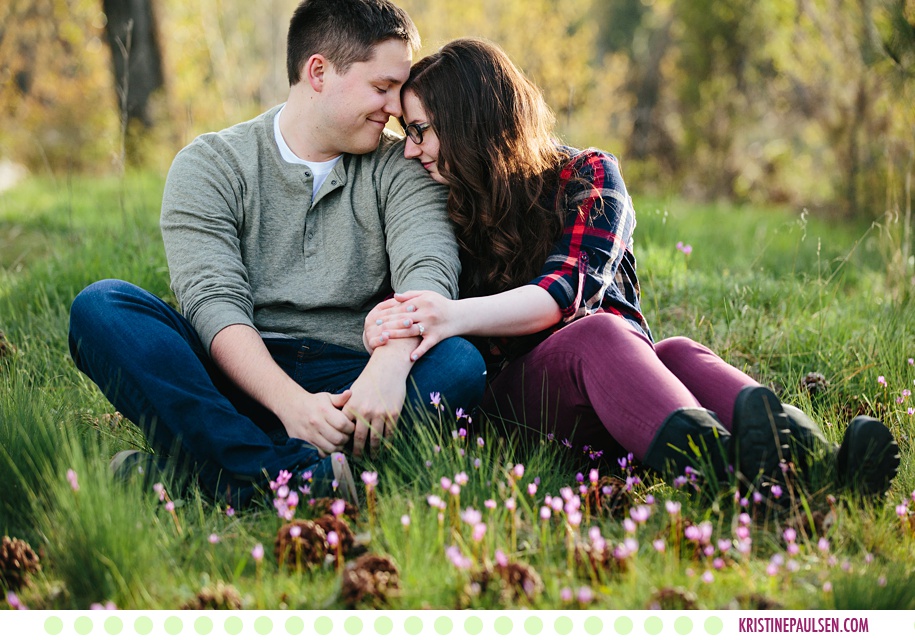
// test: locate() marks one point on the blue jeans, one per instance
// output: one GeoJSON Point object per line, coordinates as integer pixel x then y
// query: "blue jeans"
{"type": "Point", "coordinates": [149, 362]}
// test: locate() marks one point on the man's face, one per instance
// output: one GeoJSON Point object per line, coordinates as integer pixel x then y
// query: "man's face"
{"type": "Point", "coordinates": [359, 102]}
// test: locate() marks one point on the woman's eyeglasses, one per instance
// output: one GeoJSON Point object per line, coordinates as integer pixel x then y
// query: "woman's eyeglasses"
{"type": "Point", "coordinates": [415, 131]}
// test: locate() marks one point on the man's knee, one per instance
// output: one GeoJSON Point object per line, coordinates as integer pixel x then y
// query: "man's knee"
{"type": "Point", "coordinates": [95, 301]}
{"type": "Point", "coordinates": [455, 369]}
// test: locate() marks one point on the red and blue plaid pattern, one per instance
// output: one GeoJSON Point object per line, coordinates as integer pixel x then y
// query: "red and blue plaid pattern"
{"type": "Point", "coordinates": [591, 268]}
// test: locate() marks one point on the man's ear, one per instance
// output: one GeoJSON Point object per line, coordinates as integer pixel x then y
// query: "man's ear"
{"type": "Point", "coordinates": [315, 70]}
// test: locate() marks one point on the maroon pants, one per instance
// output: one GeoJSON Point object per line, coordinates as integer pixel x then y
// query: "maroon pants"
{"type": "Point", "coordinates": [600, 382]}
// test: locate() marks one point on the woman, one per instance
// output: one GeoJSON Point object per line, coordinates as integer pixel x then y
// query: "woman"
{"type": "Point", "coordinates": [550, 278]}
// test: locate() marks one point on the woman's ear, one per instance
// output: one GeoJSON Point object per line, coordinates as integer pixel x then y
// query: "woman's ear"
{"type": "Point", "coordinates": [314, 72]}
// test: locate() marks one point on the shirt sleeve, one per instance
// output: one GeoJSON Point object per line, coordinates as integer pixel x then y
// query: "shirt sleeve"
{"type": "Point", "coordinates": [591, 267]}
{"type": "Point", "coordinates": [419, 237]}
{"type": "Point", "coordinates": [199, 224]}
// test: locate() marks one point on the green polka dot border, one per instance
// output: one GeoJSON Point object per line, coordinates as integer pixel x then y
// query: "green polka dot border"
{"type": "Point", "coordinates": [575, 622]}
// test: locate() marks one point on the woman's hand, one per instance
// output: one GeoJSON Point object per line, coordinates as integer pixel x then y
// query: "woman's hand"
{"type": "Point", "coordinates": [423, 314]}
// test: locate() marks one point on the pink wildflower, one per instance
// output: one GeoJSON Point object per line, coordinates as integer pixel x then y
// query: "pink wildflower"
{"type": "Point", "coordinates": [585, 595]}
{"type": "Point", "coordinates": [545, 513]}
{"type": "Point", "coordinates": [501, 558]}
{"type": "Point", "coordinates": [337, 507]}
{"type": "Point", "coordinates": [707, 577]}
{"type": "Point", "coordinates": [518, 470]}
{"type": "Point", "coordinates": [258, 552]}
{"type": "Point", "coordinates": [436, 399]}
{"type": "Point", "coordinates": [531, 489]}
{"type": "Point", "coordinates": [214, 539]}
{"type": "Point", "coordinates": [333, 539]}
{"type": "Point", "coordinates": [881, 380]}
{"type": "Point", "coordinates": [823, 545]}
{"type": "Point", "coordinates": [659, 546]}
{"type": "Point", "coordinates": [295, 531]}
{"type": "Point", "coordinates": [672, 507]}
{"type": "Point", "coordinates": [370, 478]}
{"type": "Point", "coordinates": [827, 587]}
{"type": "Point", "coordinates": [170, 506]}
{"type": "Point", "coordinates": [461, 478]}
{"type": "Point", "coordinates": [472, 516]}
{"type": "Point", "coordinates": [14, 602]}
{"type": "Point", "coordinates": [71, 478]}
{"type": "Point", "coordinates": [405, 520]}
{"type": "Point", "coordinates": [565, 594]}
{"type": "Point", "coordinates": [490, 504]}
{"type": "Point", "coordinates": [510, 504]}
{"type": "Point", "coordinates": [640, 514]}
{"type": "Point", "coordinates": [479, 530]}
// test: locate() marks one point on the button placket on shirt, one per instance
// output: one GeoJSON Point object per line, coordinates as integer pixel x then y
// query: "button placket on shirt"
{"type": "Point", "coordinates": [309, 234]}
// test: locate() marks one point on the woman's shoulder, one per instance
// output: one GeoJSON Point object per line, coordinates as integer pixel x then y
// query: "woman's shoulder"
{"type": "Point", "coordinates": [589, 167]}
{"type": "Point", "coordinates": [578, 159]}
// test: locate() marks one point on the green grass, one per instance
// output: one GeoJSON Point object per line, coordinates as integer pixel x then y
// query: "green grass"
{"type": "Point", "coordinates": [775, 293]}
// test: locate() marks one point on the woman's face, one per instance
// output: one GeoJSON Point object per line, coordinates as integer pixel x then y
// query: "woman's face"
{"type": "Point", "coordinates": [425, 152]}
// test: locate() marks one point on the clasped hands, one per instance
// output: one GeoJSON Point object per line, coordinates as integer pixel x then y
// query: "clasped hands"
{"type": "Point", "coordinates": [414, 314]}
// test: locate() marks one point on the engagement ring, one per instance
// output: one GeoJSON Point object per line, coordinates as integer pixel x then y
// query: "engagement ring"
{"type": "Point", "coordinates": [421, 329]}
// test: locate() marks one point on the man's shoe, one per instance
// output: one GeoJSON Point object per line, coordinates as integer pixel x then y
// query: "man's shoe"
{"type": "Point", "coordinates": [332, 477]}
{"type": "Point", "coordinates": [131, 462]}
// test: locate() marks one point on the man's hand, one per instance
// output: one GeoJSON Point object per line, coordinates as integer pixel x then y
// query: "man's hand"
{"type": "Point", "coordinates": [318, 419]}
{"type": "Point", "coordinates": [378, 395]}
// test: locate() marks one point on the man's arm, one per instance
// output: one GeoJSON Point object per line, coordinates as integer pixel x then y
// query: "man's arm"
{"type": "Point", "coordinates": [201, 216]}
{"type": "Point", "coordinates": [316, 418]}
{"type": "Point", "coordinates": [423, 254]}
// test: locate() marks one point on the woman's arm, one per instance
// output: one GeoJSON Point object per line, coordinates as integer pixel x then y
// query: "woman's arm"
{"type": "Point", "coordinates": [518, 312]}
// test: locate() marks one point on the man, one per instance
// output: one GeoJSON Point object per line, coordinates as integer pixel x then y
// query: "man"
{"type": "Point", "coordinates": [281, 233]}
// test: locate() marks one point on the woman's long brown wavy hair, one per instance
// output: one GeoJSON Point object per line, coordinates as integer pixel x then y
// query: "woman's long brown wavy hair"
{"type": "Point", "coordinates": [497, 152]}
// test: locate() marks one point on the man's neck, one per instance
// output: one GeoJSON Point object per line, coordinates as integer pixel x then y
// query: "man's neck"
{"type": "Point", "coordinates": [298, 126]}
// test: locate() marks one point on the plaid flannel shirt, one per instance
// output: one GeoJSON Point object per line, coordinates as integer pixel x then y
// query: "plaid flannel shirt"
{"type": "Point", "coordinates": [591, 268]}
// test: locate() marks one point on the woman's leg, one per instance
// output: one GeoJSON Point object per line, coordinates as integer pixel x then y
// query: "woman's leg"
{"type": "Point", "coordinates": [597, 376]}
{"type": "Point", "coordinates": [711, 380]}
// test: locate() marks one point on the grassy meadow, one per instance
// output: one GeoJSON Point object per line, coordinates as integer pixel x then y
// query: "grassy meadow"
{"type": "Point", "coordinates": [483, 520]}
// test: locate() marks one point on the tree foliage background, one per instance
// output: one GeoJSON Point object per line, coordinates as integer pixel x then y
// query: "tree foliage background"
{"type": "Point", "coordinates": [803, 102]}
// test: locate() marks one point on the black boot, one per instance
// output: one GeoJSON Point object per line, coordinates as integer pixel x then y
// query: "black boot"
{"type": "Point", "coordinates": [868, 459]}
{"type": "Point", "coordinates": [760, 435]}
{"type": "Point", "coordinates": [866, 462]}
{"type": "Point", "coordinates": [807, 440]}
{"type": "Point", "coordinates": [690, 437]}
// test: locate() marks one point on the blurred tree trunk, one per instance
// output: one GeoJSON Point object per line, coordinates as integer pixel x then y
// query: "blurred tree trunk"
{"type": "Point", "coordinates": [650, 138]}
{"type": "Point", "coordinates": [133, 38]}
